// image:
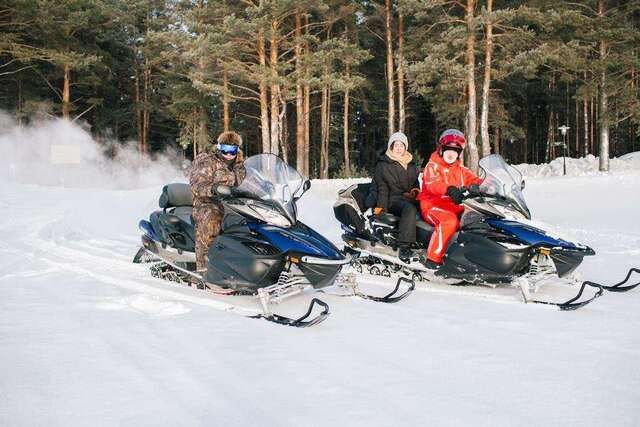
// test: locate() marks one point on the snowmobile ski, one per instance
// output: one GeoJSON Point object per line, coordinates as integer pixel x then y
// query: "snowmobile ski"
{"type": "Point", "coordinates": [386, 266]}
{"type": "Point", "coordinates": [348, 281]}
{"type": "Point", "coordinates": [169, 271]}
{"type": "Point", "coordinates": [569, 305]}
{"type": "Point", "coordinates": [620, 286]}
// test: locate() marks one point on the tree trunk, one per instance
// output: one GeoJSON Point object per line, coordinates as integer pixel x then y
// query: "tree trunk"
{"type": "Point", "coordinates": [577, 131]}
{"type": "Point", "coordinates": [66, 93]}
{"type": "Point", "coordinates": [496, 143]}
{"type": "Point", "coordinates": [345, 134]}
{"type": "Point", "coordinates": [486, 84]}
{"type": "Point", "coordinates": [264, 104]}
{"type": "Point", "coordinates": [19, 103]}
{"type": "Point", "coordinates": [401, 104]}
{"type": "Point", "coordinates": [284, 131]}
{"type": "Point", "coordinates": [275, 90]}
{"type": "Point", "coordinates": [195, 133]}
{"type": "Point", "coordinates": [470, 60]}
{"type": "Point", "coordinates": [138, 109]}
{"type": "Point", "coordinates": [604, 108]}
{"type": "Point", "coordinates": [592, 126]}
{"type": "Point", "coordinates": [307, 109]}
{"type": "Point", "coordinates": [203, 133]}
{"type": "Point", "coordinates": [300, 131]}
{"type": "Point", "coordinates": [145, 108]}
{"type": "Point", "coordinates": [526, 135]}
{"type": "Point", "coordinates": [585, 111]}
{"type": "Point", "coordinates": [225, 101]}
{"type": "Point", "coordinates": [547, 152]}
{"type": "Point", "coordinates": [325, 126]}
{"type": "Point", "coordinates": [390, 86]}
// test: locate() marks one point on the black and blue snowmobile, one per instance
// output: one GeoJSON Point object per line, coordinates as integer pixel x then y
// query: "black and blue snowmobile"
{"type": "Point", "coordinates": [263, 249]}
{"type": "Point", "coordinates": [496, 244]}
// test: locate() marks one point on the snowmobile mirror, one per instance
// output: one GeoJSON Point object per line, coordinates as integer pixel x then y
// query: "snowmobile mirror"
{"type": "Point", "coordinates": [223, 190]}
{"type": "Point", "coordinates": [306, 185]}
{"type": "Point", "coordinates": [522, 185]}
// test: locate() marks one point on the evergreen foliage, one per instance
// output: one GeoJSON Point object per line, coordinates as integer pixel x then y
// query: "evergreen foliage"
{"type": "Point", "coordinates": [312, 80]}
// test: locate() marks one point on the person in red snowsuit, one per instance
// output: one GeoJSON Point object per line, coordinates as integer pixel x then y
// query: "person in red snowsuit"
{"type": "Point", "coordinates": [443, 183]}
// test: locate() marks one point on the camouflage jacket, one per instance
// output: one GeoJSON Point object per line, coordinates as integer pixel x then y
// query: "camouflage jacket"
{"type": "Point", "coordinates": [210, 169]}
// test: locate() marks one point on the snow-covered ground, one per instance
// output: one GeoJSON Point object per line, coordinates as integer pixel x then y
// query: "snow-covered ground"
{"type": "Point", "coordinates": [88, 338]}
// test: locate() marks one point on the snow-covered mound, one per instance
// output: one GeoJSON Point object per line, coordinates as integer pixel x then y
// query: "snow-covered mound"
{"type": "Point", "coordinates": [635, 156]}
{"type": "Point", "coordinates": [585, 166]}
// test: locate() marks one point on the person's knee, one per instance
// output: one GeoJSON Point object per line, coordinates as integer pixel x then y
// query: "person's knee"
{"type": "Point", "coordinates": [409, 212]}
{"type": "Point", "coordinates": [450, 222]}
{"type": "Point", "coordinates": [409, 208]}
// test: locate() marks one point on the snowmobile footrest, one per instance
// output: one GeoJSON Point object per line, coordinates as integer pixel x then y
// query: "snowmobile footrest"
{"type": "Point", "coordinates": [391, 297]}
{"type": "Point", "coordinates": [620, 286]}
{"type": "Point", "coordinates": [301, 322]}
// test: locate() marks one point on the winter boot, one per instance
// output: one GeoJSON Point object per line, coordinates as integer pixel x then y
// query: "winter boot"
{"type": "Point", "coordinates": [405, 254]}
{"type": "Point", "coordinates": [429, 264]}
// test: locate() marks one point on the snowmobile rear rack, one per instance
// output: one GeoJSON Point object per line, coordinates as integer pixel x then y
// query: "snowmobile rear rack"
{"type": "Point", "coordinates": [302, 321]}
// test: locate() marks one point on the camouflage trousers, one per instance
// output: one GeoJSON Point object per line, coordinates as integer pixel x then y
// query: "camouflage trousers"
{"type": "Point", "coordinates": [208, 221]}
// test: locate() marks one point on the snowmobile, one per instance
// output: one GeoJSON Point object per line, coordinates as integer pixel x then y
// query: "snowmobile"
{"type": "Point", "coordinates": [496, 244]}
{"type": "Point", "coordinates": [263, 249]}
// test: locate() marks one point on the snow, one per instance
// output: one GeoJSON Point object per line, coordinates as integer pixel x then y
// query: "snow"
{"type": "Point", "coordinates": [88, 338]}
{"type": "Point", "coordinates": [585, 166]}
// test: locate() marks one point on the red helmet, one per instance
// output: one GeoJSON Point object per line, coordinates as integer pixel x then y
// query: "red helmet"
{"type": "Point", "coordinates": [451, 138]}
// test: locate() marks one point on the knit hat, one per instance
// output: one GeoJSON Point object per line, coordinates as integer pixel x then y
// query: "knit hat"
{"type": "Point", "coordinates": [398, 136]}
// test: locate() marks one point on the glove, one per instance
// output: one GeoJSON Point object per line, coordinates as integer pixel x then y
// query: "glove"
{"type": "Point", "coordinates": [474, 190]}
{"type": "Point", "coordinates": [378, 211]}
{"type": "Point", "coordinates": [456, 194]}
{"type": "Point", "coordinates": [221, 190]}
{"type": "Point", "coordinates": [411, 194]}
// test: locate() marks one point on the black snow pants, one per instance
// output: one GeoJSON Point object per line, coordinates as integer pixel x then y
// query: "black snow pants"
{"type": "Point", "coordinates": [407, 211]}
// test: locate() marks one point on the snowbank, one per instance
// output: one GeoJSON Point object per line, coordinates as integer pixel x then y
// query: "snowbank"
{"type": "Point", "coordinates": [585, 166]}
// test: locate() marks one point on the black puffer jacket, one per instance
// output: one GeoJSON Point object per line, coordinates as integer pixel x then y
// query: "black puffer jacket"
{"type": "Point", "coordinates": [392, 181]}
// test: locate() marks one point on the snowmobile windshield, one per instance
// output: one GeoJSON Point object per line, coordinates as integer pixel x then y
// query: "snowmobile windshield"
{"type": "Point", "coordinates": [503, 180]}
{"type": "Point", "coordinates": [273, 181]}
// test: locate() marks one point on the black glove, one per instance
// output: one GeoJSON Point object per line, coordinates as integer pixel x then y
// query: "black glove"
{"type": "Point", "coordinates": [456, 194]}
{"type": "Point", "coordinates": [474, 190]}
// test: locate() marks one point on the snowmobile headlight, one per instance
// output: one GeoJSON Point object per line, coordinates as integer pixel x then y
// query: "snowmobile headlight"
{"type": "Point", "coordinates": [507, 212]}
{"type": "Point", "coordinates": [271, 217]}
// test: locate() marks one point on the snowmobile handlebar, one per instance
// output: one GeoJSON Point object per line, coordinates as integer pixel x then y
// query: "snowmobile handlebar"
{"type": "Point", "coordinates": [225, 191]}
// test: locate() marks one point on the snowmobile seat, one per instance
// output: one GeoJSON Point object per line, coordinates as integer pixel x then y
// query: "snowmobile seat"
{"type": "Point", "coordinates": [184, 214]}
{"type": "Point", "coordinates": [175, 195]}
{"type": "Point", "coordinates": [174, 223]}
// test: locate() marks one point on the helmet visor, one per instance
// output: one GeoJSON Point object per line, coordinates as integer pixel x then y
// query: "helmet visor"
{"type": "Point", "coordinates": [452, 140]}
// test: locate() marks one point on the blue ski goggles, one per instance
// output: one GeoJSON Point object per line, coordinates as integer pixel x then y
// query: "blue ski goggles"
{"type": "Point", "coordinates": [228, 149]}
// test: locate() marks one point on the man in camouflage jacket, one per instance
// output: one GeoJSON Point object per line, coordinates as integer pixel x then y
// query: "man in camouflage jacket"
{"type": "Point", "coordinates": [218, 165]}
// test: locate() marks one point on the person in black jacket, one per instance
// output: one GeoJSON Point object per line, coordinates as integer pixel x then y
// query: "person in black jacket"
{"type": "Point", "coordinates": [396, 182]}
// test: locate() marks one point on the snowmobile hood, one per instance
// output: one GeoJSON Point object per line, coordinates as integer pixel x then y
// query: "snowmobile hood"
{"type": "Point", "coordinates": [298, 239]}
{"type": "Point", "coordinates": [536, 237]}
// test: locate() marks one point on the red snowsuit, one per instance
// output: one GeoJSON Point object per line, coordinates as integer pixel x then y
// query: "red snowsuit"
{"type": "Point", "coordinates": [436, 207]}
